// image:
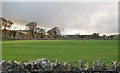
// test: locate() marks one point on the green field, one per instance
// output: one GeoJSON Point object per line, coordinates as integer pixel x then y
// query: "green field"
{"type": "Point", "coordinates": [63, 50]}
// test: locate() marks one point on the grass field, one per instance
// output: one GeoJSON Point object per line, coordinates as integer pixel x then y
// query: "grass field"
{"type": "Point", "coordinates": [63, 50]}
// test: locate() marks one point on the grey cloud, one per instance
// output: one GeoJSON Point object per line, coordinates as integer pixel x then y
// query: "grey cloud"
{"type": "Point", "coordinates": [0, 9]}
{"type": "Point", "coordinates": [73, 17]}
{"type": "Point", "coordinates": [60, 0]}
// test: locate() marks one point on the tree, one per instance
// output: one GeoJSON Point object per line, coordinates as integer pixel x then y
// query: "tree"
{"type": "Point", "coordinates": [31, 26]}
{"type": "Point", "coordinates": [13, 32]}
{"type": "Point", "coordinates": [104, 36]}
{"type": "Point", "coordinates": [40, 32]}
{"type": "Point", "coordinates": [55, 32]}
{"type": "Point", "coordinates": [5, 24]}
{"type": "Point", "coordinates": [95, 35]}
{"type": "Point", "coordinates": [50, 34]}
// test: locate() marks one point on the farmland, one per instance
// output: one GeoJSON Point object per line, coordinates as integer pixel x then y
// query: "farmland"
{"type": "Point", "coordinates": [63, 50]}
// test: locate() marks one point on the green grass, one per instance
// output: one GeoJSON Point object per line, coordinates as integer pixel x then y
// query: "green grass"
{"type": "Point", "coordinates": [63, 50]}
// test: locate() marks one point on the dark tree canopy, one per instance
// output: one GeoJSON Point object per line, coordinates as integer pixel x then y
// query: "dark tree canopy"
{"type": "Point", "coordinates": [4, 23]}
{"type": "Point", "coordinates": [31, 26]}
{"type": "Point", "coordinates": [95, 35]}
{"type": "Point", "coordinates": [40, 32]}
{"type": "Point", "coordinates": [55, 32]}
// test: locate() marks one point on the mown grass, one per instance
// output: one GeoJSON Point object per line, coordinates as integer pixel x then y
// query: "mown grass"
{"type": "Point", "coordinates": [63, 50]}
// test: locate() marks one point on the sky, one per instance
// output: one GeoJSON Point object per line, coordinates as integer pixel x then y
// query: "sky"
{"type": "Point", "coordinates": [73, 17]}
{"type": "Point", "coordinates": [59, 0]}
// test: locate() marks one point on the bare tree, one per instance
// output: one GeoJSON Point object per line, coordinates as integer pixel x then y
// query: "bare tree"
{"type": "Point", "coordinates": [40, 32]}
{"type": "Point", "coordinates": [5, 24]}
{"type": "Point", "coordinates": [55, 32]}
{"type": "Point", "coordinates": [50, 34]}
{"type": "Point", "coordinates": [31, 26]}
{"type": "Point", "coordinates": [14, 32]}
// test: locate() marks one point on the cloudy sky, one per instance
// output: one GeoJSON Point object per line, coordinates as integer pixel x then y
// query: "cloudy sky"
{"type": "Point", "coordinates": [73, 17]}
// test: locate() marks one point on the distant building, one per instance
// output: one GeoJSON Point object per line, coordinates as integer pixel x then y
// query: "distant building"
{"type": "Point", "coordinates": [71, 36]}
{"type": "Point", "coordinates": [22, 34]}
{"type": "Point", "coordinates": [86, 36]}
{"type": "Point", "coordinates": [79, 36]}
{"type": "Point", "coordinates": [114, 37]}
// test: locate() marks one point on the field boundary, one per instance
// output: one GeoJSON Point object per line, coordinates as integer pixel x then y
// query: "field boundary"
{"type": "Point", "coordinates": [90, 71]}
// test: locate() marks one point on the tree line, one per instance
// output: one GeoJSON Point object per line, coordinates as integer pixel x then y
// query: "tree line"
{"type": "Point", "coordinates": [37, 32]}
{"type": "Point", "coordinates": [32, 28]}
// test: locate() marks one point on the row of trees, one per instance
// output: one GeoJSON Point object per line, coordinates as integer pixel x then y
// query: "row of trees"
{"type": "Point", "coordinates": [32, 28]}
{"type": "Point", "coordinates": [36, 32]}
{"type": "Point", "coordinates": [55, 32]}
